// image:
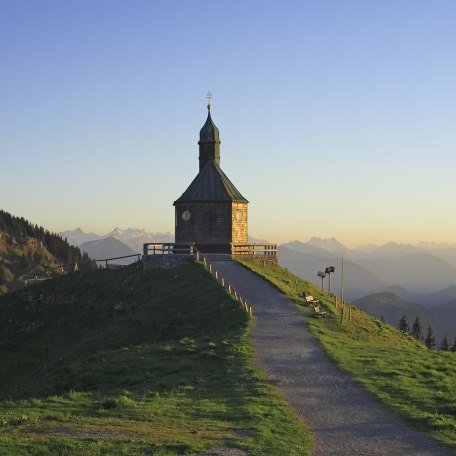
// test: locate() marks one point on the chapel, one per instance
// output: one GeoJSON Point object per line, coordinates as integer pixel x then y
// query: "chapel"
{"type": "Point", "coordinates": [211, 213]}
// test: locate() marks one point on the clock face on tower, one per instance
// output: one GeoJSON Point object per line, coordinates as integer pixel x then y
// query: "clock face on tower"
{"type": "Point", "coordinates": [239, 216]}
{"type": "Point", "coordinates": [186, 215]}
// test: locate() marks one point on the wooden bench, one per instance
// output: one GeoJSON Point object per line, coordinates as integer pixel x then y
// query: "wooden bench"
{"type": "Point", "coordinates": [310, 299]}
{"type": "Point", "coordinates": [319, 313]}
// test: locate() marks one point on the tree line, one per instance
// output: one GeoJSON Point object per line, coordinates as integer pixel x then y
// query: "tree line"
{"type": "Point", "coordinates": [429, 339]}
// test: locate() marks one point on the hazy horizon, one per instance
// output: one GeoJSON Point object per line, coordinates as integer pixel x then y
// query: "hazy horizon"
{"type": "Point", "coordinates": [304, 240]}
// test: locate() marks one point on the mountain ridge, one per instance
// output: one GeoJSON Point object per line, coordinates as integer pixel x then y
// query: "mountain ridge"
{"type": "Point", "coordinates": [391, 307]}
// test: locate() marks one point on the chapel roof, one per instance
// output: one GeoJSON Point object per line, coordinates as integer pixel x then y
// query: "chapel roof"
{"type": "Point", "coordinates": [211, 185]}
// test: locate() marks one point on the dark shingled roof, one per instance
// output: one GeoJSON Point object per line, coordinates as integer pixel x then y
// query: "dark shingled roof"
{"type": "Point", "coordinates": [211, 184]}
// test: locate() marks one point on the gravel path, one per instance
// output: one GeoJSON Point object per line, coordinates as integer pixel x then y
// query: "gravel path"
{"type": "Point", "coordinates": [344, 418]}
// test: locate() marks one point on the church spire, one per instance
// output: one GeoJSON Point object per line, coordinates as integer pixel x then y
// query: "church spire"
{"type": "Point", "coordinates": [209, 143]}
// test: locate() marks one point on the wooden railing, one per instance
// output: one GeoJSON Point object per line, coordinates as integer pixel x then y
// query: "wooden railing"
{"type": "Point", "coordinates": [167, 248]}
{"type": "Point", "coordinates": [200, 258]}
{"type": "Point", "coordinates": [255, 249]}
{"type": "Point", "coordinates": [106, 260]}
{"type": "Point", "coordinates": [73, 267]}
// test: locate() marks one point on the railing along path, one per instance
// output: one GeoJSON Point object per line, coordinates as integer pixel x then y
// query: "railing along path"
{"type": "Point", "coordinates": [200, 258]}
{"type": "Point", "coordinates": [74, 266]}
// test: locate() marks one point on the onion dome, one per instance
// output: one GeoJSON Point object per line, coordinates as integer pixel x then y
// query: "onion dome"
{"type": "Point", "coordinates": [209, 143]}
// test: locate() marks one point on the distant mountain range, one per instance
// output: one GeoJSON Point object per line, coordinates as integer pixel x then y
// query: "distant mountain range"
{"type": "Point", "coordinates": [422, 272]}
{"type": "Point", "coordinates": [388, 280]}
{"type": "Point", "coordinates": [359, 281]}
{"type": "Point", "coordinates": [134, 238]}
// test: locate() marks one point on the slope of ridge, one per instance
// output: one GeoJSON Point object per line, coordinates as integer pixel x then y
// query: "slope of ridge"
{"type": "Point", "coordinates": [416, 383]}
{"type": "Point", "coordinates": [27, 249]}
{"type": "Point", "coordinates": [133, 362]}
{"type": "Point", "coordinates": [391, 307]}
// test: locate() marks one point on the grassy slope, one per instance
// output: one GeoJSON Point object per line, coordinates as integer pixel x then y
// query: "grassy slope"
{"type": "Point", "coordinates": [132, 362]}
{"type": "Point", "coordinates": [417, 383]}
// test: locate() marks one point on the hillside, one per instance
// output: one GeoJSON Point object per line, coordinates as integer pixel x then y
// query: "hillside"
{"type": "Point", "coordinates": [441, 297]}
{"type": "Point", "coordinates": [132, 362]}
{"type": "Point", "coordinates": [392, 307]}
{"type": "Point", "coordinates": [27, 249]}
{"type": "Point", "coordinates": [447, 312]}
{"type": "Point", "coordinates": [416, 383]}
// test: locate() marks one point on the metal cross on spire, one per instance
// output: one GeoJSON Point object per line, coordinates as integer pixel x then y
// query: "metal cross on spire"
{"type": "Point", "coordinates": [209, 98]}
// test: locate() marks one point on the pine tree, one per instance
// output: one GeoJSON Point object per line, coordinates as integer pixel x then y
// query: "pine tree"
{"type": "Point", "coordinates": [444, 345]}
{"type": "Point", "coordinates": [430, 338]}
{"type": "Point", "coordinates": [453, 347]}
{"type": "Point", "coordinates": [403, 324]}
{"type": "Point", "coordinates": [416, 331]}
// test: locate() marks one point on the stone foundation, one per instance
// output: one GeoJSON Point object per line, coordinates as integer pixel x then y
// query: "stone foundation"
{"type": "Point", "coordinates": [164, 261]}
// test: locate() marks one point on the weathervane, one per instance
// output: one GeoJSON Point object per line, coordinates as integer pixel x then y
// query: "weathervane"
{"type": "Point", "coordinates": [209, 98]}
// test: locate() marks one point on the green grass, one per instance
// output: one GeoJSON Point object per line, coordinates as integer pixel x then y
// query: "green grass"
{"type": "Point", "coordinates": [417, 383]}
{"type": "Point", "coordinates": [132, 362]}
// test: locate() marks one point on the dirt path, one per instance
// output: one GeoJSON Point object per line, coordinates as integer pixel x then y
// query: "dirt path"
{"type": "Point", "coordinates": [343, 418]}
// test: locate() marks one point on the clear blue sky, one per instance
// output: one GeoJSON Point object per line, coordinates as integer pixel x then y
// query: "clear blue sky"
{"type": "Point", "coordinates": [337, 118]}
